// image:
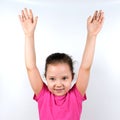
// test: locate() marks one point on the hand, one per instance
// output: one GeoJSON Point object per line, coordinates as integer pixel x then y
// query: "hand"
{"type": "Point", "coordinates": [28, 21]}
{"type": "Point", "coordinates": [94, 24]}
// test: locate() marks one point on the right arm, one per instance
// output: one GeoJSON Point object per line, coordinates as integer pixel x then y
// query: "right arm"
{"type": "Point", "coordinates": [28, 23]}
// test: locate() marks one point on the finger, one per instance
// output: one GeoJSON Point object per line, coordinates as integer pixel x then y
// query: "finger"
{"type": "Point", "coordinates": [89, 19]}
{"type": "Point", "coordinates": [101, 18]}
{"type": "Point", "coordinates": [20, 18]}
{"type": "Point", "coordinates": [95, 16]}
{"type": "Point", "coordinates": [23, 15]}
{"type": "Point", "coordinates": [102, 21]}
{"type": "Point", "coordinates": [99, 15]}
{"type": "Point", "coordinates": [35, 20]}
{"type": "Point", "coordinates": [31, 15]}
{"type": "Point", "coordinates": [26, 13]}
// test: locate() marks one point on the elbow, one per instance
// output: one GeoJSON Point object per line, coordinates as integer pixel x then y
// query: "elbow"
{"type": "Point", "coordinates": [30, 68]}
{"type": "Point", "coordinates": [85, 67]}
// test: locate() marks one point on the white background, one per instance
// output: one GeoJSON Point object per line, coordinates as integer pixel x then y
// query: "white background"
{"type": "Point", "coordinates": [61, 28]}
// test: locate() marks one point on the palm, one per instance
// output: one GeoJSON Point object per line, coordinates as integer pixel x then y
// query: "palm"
{"type": "Point", "coordinates": [94, 25]}
{"type": "Point", "coordinates": [28, 26]}
{"type": "Point", "coordinates": [28, 22]}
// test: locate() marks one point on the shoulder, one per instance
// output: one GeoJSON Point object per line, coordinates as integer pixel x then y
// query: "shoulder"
{"type": "Point", "coordinates": [42, 92]}
{"type": "Point", "coordinates": [77, 94]}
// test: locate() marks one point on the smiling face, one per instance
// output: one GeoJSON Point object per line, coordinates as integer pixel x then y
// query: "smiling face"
{"type": "Point", "coordinates": [59, 78]}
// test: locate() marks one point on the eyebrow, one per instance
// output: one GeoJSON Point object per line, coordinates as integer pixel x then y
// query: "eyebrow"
{"type": "Point", "coordinates": [50, 75]}
{"type": "Point", "coordinates": [60, 76]}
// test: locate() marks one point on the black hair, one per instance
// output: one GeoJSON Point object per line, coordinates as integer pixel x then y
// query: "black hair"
{"type": "Point", "coordinates": [59, 58]}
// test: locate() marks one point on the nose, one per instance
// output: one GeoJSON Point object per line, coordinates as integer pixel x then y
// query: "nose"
{"type": "Point", "coordinates": [58, 83]}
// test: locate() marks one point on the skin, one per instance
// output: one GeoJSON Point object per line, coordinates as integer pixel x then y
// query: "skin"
{"type": "Point", "coordinates": [28, 23]}
{"type": "Point", "coordinates": [59, 78]}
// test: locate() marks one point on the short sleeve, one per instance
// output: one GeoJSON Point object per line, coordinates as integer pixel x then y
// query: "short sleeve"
{"type": "Point", "coordinates": [41, 93]}
{"type": "Point", "coordinates": [78, 94]}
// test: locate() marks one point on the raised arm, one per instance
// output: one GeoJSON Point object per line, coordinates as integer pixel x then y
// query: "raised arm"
{"type": "Point", "coordinates": [28, 22]}
{"type": "Point", "coordinates": [94, 25]}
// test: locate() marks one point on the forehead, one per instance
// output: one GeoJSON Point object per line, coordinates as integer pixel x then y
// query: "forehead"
{"type": "Point", "coordinates": [59, 68]}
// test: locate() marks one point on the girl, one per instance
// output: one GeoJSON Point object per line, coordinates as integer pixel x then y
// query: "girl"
{"type": "Point", "coordinates": [57, 100]}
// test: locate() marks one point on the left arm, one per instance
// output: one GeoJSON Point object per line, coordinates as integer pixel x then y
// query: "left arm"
{"type": "Point", "coordinates": [94, 25]}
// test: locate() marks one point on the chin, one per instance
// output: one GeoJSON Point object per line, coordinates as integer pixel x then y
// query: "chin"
{"type": "Point", "coordinates": [59, 94]}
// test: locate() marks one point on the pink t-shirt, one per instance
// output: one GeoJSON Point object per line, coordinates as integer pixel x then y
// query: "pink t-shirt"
{"type": "Point", "coordinates": [67, 107]}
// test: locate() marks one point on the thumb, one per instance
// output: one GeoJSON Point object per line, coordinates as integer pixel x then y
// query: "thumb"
{"type": "Point", "coordinates": [89, 20]}
{"type": "Point", "coordinates": [35, 20]}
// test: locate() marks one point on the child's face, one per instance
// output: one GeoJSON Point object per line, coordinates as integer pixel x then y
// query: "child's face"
{"type": "Point", "coordinates": [59, 78]}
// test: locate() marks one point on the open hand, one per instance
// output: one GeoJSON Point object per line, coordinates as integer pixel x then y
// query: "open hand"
{"type": "Point", "coordinates": [94, 24]}
{"type": "Point", "coordinates": [28, 21]}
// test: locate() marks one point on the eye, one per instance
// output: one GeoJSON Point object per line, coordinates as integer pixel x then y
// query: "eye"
{"type": "Point", "coordinates": [65, 78]}
{"type": "Point", "coordinates": [52, 78]}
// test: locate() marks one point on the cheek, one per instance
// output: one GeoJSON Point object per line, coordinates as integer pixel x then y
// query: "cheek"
{"type": "Point", "coordinates": [50, 84]}
{"type": "Point", "coordinates": [68, 84]}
